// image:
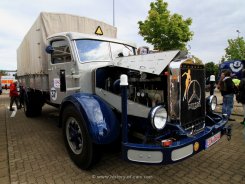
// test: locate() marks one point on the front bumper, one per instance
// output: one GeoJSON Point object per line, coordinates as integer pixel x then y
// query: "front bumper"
{"type": "Point", "coordinates": [179, 150]}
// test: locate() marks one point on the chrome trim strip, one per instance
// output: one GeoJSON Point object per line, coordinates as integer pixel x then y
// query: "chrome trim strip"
{"type": "Point", "coordinates": [73, 89]}
{"type": "Point", "coordinates": [145, 156]}
{"type": "Point", "coordinates": [182, 152]}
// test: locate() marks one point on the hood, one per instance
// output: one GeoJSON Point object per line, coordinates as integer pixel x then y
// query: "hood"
{"type": "Point", "coordinates": [150, 63]}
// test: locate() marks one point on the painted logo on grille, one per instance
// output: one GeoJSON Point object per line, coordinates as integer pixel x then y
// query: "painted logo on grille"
{"type": "Point", "coordinates": [192, 93]}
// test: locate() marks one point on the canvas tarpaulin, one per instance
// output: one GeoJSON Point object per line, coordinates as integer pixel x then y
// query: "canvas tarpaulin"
{"type": "Point", "coordinates": [31, 55]}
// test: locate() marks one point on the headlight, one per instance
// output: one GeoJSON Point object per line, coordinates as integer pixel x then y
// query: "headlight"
{"type": "Point", "coordinates": [159, 117]}
{"type": "Point", "coordinates": [211, 103]}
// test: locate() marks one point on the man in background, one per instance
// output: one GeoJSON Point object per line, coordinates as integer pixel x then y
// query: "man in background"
{"type": "Point", "coordinates": [227, 89]}
{"type": "Point", "coordinates": [14, 95]}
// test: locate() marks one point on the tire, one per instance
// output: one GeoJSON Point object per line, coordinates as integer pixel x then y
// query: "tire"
{"type": "Point", "coordinates": [32, 104]}
{"type": "Point", "coordinates": [27, 108]}
{"type": "Point", "coordinates": [77, 139]}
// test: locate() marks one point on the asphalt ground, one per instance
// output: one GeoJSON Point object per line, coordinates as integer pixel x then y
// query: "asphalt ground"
{"type": "Point", "coordinates": [32, 151]}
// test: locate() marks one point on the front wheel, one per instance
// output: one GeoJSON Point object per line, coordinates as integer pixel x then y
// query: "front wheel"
{"type": "Point", "coordinates": [77, 139]}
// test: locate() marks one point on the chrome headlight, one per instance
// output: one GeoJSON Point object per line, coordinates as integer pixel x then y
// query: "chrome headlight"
{"type": "Point", "coordinates": [212, 103]}
{"type": "Point", "coordinates": [158, 117]}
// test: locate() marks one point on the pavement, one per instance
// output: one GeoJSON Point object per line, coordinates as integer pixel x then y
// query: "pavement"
{"type": "Point", "coordinates": [32, 151]}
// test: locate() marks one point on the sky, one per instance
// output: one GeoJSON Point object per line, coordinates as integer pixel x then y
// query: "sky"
{"type": "Point", "coordinates": [213, 22]}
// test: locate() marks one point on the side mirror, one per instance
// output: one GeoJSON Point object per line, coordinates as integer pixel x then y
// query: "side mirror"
{"type": "Point", "coordinates": [143, 50]}
{"type": "Point", "coordinates": [120, 54]}
{"type": "Point", "coordinates": [49, 49]}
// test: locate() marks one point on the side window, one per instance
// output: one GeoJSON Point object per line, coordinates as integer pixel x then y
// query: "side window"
{"type": "Point", "coordinates": [120, 50]}
{"type": "Point", "coordinates": [61, 52]}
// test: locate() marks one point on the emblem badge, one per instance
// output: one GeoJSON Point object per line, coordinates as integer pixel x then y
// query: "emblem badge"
{"type": "Point", "coordinates": [236, 66]}
{"type": "Point", "coordinates": [192, 93]}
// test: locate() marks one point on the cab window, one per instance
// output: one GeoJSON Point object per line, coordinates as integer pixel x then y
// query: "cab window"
{"type": "Point", "coordinates": [61, 52]}
{"type": "Point", "coordinates": [121, 50]}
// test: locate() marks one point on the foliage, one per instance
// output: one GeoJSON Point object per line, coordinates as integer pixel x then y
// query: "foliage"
{"type": "Point", "coordinates": [222, 59]}
{"type": "Point", "coordinates": [2, 73]}
{"type": "Point", "coordinates": [235, 49]}
{"type": "Point", "coordinates": [211, 69]}
{"type": "Point", "coordinates": [163, 30]}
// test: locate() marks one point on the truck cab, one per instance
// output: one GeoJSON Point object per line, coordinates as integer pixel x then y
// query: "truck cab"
{"type": "Point", "coordinates": [73, 57]}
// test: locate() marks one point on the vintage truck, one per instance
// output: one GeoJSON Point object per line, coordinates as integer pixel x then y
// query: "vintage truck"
{"type": "Point", "coordinates": [154, 104]}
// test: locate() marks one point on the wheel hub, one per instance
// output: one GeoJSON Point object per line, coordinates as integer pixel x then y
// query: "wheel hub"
{"type": "Point", "coordinates": [74, 135]}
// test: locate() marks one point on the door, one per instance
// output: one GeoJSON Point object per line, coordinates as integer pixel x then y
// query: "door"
{"type": "Point", "coordinates": [60, 67]}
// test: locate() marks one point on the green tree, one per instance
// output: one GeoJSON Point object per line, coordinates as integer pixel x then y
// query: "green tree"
{"type": "Point", "coordinates": [235, 49]}
{"type": "Point", "coordinates": [163, 30]}
{"type": "Point", "coordinates": [2, 73]}
{"type": "Point", "coordinates": [211, 69]}
{"type": "Point", "coordinates": [222, 59]}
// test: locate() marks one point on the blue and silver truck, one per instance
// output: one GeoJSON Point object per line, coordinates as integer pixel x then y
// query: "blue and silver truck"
{"type": "Point", "coordinates": [154, 104]}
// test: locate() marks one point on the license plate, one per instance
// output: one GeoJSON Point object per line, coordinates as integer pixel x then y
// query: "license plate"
{"type": "Point", "coordinates": [211, 140]}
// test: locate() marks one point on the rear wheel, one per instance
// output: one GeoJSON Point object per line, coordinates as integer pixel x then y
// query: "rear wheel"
{"type": "Point", "coordinates": [27, 108]}
{"type": "Point", "coordinates": [77, 139]}
{"type": "Point", "coordinates": [32, 103]}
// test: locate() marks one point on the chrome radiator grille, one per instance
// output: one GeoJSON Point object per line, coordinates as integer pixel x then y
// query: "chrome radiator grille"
{"type": "Point", "coordinates": [192, 97]}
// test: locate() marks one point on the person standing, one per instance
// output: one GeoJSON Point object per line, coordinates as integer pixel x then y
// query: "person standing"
{"type": "Point", "coordinates": [13, 93]}
{"type": "Point", "coordinates": [241, 93]}
{"type": "Point", "coordinates": [227, 91]}
{"type": "Point", "coordinates": [220, 83]}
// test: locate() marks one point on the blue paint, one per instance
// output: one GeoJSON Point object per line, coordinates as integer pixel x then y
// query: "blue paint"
{"type": "Point", "coordinates": [166, 151]}
{"type": "Point", "coordinates": [235, 67]}
{"type": "Point", "coordinates": [104, 128]}
{"type": "Point", "coordinates": [101, 122]}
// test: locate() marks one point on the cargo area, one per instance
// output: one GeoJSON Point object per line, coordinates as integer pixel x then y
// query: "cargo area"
{"type": "Point", "coordinates": [31, 56]}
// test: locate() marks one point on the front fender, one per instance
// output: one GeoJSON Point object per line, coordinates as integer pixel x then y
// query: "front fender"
{"type": "Point", "coordinates": [101, 121]}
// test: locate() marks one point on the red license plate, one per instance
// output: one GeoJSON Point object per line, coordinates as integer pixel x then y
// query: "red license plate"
{"type": "Point", "coordinates": [211, 140]}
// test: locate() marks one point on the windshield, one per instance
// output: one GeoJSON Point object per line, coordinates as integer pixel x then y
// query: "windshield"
{"type": "Point", "coordinates": [97, 50]}
{"type": "Point", "coordinates": [93, 50]}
